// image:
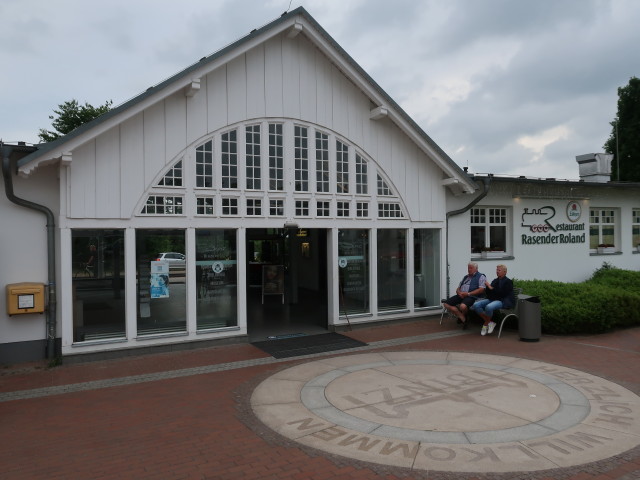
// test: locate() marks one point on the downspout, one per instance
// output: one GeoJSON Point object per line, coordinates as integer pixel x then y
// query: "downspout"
{"type": "Point", "coordinates": [50, 310]}
{"type": "Point", "coordinates": [486, 182]}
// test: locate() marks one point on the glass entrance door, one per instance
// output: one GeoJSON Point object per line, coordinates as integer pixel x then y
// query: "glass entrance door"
{"type": "Point", "coordinates": [286, 282]}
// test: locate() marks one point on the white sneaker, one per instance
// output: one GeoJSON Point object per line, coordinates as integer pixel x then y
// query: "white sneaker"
{"type": "Point", "coordinates": [492, 325]}
{"type": "Point", "coordinates": [484, 330]}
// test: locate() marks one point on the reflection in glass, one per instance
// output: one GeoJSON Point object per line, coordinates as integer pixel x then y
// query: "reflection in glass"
{"type": "Point", "coordinates": [353, 255]}
{"type": "Point", "coordinates": [98, 284]}
{"type": "Point", "coordinates": [216, 278]}
{"type": "Point", "coordinates": [498, 237]}
{"type": "Point", "coordinates": [478, 234]}
{"type": "Point", "coordinates": [594, 237]}
{"type": "Point", "coordinates": [392, 269]}
{"type": "Point", "coordinates": [161, 288]}
{"type": "Point", "coordinates": [426, 271]}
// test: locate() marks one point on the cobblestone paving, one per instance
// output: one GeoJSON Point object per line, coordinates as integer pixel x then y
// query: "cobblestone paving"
{"type": "Point", "coordinates": [188, 415]}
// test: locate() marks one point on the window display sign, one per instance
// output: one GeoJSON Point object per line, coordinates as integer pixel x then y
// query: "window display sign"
{"type": "Point", "coordinates": [159, 279]}
{"type": "Point", "coordinates": [273, 280]}
{"type": "Point", "coordinates": [353, 263]}
{"type": "Point", "coordinates": [354, 280]}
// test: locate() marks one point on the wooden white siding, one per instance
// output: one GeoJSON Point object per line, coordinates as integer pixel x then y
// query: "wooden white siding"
{"type": "Point", "coordinates": [154, 143]}
{"type": "Point", "coordinates": [132, 169]}
{"type": "Point", "coordinates": [282, 79]}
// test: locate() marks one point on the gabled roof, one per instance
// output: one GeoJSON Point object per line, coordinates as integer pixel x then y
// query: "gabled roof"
{"type": "Point", "coordinates": [296, 21]}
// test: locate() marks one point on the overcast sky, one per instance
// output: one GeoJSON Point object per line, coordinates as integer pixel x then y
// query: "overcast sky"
{"type": "Point", "coordinates": [514, 87]}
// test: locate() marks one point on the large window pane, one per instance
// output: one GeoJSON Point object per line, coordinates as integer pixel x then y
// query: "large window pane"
{"type": "Point", "coordinates": [488, 229]}
{"type": "Point", "coordinates": [498, 238]}
{"type": "Point", "coordinates": [392, 269]}
{"type": "Point", "coordinates": [635, 228]}
{"type": "Point", "coordinates": [216, 278]}
{"type": "Point", "coordinates": [161, 289]}
{"type": "Point", "coordinates": [426, 268]}
{"type": "Point", "coordinates": [602, 227]}
{"type": "Point", "coordinates": [478, 235]}
{"type": "Point", "coordinates": [353, 253]}
{"type": "Point", "coordinates": [98, 284]}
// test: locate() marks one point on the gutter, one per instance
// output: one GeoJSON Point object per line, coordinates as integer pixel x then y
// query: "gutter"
{"type": "Point", "coordinates": [51, 307]}
{"type": "Point", "coordinates": [486, 182]}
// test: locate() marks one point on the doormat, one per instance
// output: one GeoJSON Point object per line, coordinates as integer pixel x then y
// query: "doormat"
{"type": "Point", "coordinates": [307, 345]}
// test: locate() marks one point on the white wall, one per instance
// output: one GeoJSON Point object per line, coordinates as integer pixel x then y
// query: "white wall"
{"type": "Point", "coordinates": [283, 79]}
{"type": "Point", "coordinates": [569, 262]}
{"type": "Point", "coordinates": [23, 256]}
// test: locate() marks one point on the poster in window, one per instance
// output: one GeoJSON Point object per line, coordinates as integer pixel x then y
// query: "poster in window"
{"type": "Point", "coordinates": [159, 279]}
{"type": "Point", "coordinates": [273, 281]}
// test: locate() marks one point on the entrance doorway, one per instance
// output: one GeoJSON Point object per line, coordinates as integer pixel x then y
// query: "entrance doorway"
{"type": "Point", "coordinates": [286, 282]}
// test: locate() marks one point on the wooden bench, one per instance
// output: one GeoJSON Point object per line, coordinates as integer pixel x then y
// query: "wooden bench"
{"type": "Point", "coordinates": [446, 312]}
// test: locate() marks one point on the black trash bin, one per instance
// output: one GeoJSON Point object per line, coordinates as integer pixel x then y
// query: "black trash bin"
{"type": "Point", "coordinates": [529, 318]}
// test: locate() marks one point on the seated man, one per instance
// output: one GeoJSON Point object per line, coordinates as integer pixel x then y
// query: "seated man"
{"type": "Point", "coordinates": [470, 289]}
{"type": "Point", "coordinates": [499, 295]}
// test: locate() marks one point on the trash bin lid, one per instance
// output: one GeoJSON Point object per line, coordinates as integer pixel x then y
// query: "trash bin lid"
{"type": "Point", "coordinates": [528, 298]}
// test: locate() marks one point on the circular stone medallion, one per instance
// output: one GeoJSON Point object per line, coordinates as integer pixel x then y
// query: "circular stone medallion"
{"type": "Point", "coordinates": [454, 412]}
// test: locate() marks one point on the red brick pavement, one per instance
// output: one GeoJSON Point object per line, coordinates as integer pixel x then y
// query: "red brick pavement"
{"type": "Point", "coordinates": [201, 426]}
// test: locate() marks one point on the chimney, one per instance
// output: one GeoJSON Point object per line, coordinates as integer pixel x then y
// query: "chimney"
{"type": "Point", "coordinates": [595, 167]}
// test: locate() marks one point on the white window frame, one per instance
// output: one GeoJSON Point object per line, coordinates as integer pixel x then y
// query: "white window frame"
{"type": "Point", "coordinates": [204, 162]}
{"type": "Point", "coordinates": [276, 157]}
{"type": "Point", "coordinates": [205, 205]}
{"type": "Point", "coordinates": [362, 209]}
{"type": "Point", "coordinates": [253, 170]}
{"type": "Point", "coordinates": [489, 215]}
{"type": "Point", "coordinates": [383, 187]}
{"type": "Point", "coordinates": [390, 210]}
{"type": "Point", "coordinates": [276, 207]}
{"type": "Point", "coordinates": [635, 229]}
{"type": "Point", "coordinates": [301, 158]}
{"type": "Point", "coordinates": [302, 208]}
{"type": "Point", "coordinates": [362, 175]}
{"type": "Point", "coordinates": [168, 204]}
{"type": "Point", "coordinates": [173, 177]}
{"type": "Point", "coordinates": [343, 208]}
{"type": "Point", "coordinates": [230, 207]}
{"type": "Point", "coordinates": [229, 159]}
{"type": "Point", "coordinates": [322, 163]}
{"type": "Point", "coordinates": [254, 207]}
{"type": "Point", "coordinates": [602, 218]}
{"type": "Point", "coordinates": [342, 167]}
{"type": "Point", "coordinates": [245, 155]}
{"type": "Point", "coordinates": [323, 208]}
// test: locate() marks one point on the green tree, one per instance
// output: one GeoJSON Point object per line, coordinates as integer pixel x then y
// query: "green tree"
{"type": "Point", "coordinates": [69, 116]}
{"type": "Point", "coordinates": [624, 141]}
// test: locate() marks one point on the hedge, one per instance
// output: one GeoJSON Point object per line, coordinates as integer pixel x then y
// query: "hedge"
{"type": "Point", "coordinates": [609, 299]}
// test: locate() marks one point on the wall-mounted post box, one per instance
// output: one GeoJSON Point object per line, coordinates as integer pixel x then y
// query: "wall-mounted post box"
{"type": "Point", "coordinates": [25, 297]}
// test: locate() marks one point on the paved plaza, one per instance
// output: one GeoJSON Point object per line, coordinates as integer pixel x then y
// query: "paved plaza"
{"type": "Point", "coordinates": [421, 400]}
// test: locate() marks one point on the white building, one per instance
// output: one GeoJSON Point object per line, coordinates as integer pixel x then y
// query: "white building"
{"type": "Point", "coordinates": [302, 196]}
{"type": "Point", "coordinates": [546, 228]}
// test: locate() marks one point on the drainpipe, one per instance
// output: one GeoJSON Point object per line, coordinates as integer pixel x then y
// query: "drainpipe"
{"type": "Point", "coordinates": [486, 181]}
{"type": "Point", "coordinates": [50, 311]}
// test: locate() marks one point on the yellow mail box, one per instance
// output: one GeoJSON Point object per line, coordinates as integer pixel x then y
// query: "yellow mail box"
{"type": "Point", "coordinates": [25, 297]}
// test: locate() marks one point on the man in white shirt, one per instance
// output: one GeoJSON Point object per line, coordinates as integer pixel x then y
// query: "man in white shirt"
{"type": "Point", "coordinates": [469, 290]}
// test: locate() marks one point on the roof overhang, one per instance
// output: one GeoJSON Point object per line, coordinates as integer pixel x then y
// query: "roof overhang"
{"type": "Point", "coordinates": [292, 24]}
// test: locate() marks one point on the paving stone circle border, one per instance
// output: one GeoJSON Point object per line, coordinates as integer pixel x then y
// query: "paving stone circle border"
{"type": "Point", "coordinates": [584, 418]}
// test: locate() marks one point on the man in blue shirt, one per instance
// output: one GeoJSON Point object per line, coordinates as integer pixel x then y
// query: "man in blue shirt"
{"type": "Point", "coordinates": [499, 295]}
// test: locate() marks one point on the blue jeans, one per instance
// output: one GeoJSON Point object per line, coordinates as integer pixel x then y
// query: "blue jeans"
{"type": "Point", "coordinates": [487, 306]}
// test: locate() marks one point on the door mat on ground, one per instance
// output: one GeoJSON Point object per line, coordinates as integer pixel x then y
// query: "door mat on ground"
{"type": "Point", "coordinates": [307, 345]}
